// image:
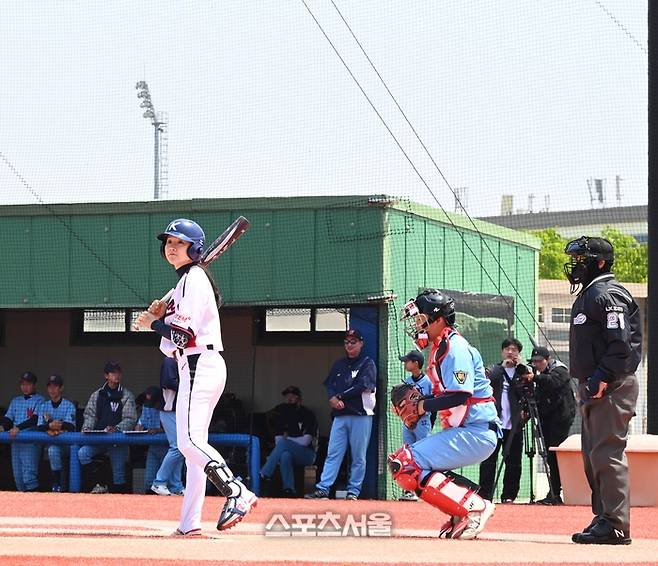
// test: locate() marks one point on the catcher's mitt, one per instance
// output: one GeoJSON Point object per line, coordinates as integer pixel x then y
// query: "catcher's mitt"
{"type": "Point", "coordinates": [404, 398]}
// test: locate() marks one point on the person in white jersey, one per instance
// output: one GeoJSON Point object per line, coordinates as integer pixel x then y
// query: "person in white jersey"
{"type": "Point", "coordinates": [190, 329]}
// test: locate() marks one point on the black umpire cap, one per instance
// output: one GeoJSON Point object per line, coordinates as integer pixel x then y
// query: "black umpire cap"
{"type": "Point", "coordinates": [414, 356]}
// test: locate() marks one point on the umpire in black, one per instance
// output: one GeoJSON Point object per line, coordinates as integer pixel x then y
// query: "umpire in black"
{"type": "Point", "coordinates": [605, 347]}
{"type": "Point", "coordinates": [556, 406]}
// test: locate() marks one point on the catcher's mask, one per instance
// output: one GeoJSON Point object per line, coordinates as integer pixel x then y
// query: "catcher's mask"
{"type": "Point", "coordinates": [422, 311]}
{"type": "Point", "coordinates": [584, 255]}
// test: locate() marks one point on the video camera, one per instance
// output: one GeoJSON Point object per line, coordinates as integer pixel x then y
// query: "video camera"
{"type": "Point", "coordinates": [525, 387]}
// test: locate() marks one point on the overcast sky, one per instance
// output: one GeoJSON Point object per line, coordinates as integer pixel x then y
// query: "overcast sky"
{"type": "Point", "coordinates": [512, 97]}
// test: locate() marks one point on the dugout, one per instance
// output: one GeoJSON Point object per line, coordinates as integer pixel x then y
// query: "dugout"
{"type": "Point", "coordinates": [75, 274]}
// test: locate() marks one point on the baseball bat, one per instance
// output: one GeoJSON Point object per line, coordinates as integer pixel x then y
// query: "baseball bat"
{"type": "Point", "coordinates": [222, 243]}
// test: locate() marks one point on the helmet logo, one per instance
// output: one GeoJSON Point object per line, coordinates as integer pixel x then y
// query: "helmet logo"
{"type": "Point", "coordinates": [172, 227]}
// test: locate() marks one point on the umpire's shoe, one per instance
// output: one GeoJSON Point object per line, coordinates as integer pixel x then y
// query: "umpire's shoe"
{"type": "Point", "coordinates": [236, 506]}
{"type": "Point", "coordinates": [602, 532]}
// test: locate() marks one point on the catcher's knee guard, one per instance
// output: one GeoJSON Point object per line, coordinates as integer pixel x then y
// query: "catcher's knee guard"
{"type": "Point", "coordinates": [222, 478]}
{"type": "Point", "coordinates": [404, 469]}
{"type": "Point", "coordinates": [450, 493]}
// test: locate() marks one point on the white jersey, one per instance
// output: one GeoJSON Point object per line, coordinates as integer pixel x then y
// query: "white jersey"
{"type": "Point", "coordinates": [192, 314]}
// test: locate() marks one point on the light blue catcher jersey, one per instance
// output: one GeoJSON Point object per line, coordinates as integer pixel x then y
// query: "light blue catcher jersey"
{"type": "Point", "coordinates": [463, 370]}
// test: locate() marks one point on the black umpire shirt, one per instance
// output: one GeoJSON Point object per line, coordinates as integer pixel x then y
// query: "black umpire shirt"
{"type": "Point", "coordinates": [605, 337]}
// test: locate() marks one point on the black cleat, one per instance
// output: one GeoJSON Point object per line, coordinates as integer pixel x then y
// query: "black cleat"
{"type": "Point", "coordinates": [548, 500]}
{"type": "Point", "coordinates": [602, 532]}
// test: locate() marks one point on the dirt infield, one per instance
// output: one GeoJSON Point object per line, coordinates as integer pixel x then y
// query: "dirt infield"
{"type": "Point", "coordinates": [58, 529]}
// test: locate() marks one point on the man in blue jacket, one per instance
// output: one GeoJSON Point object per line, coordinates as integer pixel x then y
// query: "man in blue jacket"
{"type": "Point", "coordinates": [351, 386]}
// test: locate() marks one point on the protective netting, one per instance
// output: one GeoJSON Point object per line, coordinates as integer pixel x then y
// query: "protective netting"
{"type": "Point", "coordinates": [376, 148]}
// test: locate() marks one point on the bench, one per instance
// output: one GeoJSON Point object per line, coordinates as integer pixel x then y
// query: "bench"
{"type": "Point", "coordinates": [642, 455]}
{"type": "Point", "coordinates": [76, 439]}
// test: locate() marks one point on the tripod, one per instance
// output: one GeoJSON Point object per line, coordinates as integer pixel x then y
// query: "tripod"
{"type": "Point", "coordinates": [534, 442]}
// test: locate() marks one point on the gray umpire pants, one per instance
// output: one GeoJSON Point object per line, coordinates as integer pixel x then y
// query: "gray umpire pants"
{"type": "Point", "coordinates": [603, 442]}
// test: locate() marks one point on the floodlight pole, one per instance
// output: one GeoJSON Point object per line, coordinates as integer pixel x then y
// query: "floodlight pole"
{"type": "Point", "coordinates": [159, 126]}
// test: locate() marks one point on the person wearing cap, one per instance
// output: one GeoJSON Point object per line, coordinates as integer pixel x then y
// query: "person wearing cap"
{"type": "Point", "coordinates": [556, 405]}
{"type": "Point", "coordinates": [508, 405]}
{"type": "Point", "coordinates": [605, 349]}
{"type": "Point", "coordinates": [351, 386]}
{"type": "Point", "coordinates": [22, 414]}
{"type": "Point", "coordinates": [413, 363]}
{"type": "Point", "coordinates": [295, 430]}
{"type": "Point", "coordinates": [110, 409]}
{"type": "Point", "coordinates": [56, 415]}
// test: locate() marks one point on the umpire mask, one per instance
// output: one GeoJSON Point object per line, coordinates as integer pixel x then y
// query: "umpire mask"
{"type": "Point", "coordinates": [585, 254]}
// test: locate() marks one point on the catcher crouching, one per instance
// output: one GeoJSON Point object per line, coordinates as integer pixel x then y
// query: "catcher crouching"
{"type": "Point", "coordinates": [462, 396]}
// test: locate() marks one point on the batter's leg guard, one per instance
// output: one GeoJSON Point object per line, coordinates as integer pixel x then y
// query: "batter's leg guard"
{"type": "Point", "coordinates": [239, 500]}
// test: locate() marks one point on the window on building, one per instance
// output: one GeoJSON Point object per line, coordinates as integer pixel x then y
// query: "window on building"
{"type": "Point", "coordinates": [309, 324]}
{"type": "Point", "coordinates": [540, 314]}
{"type": "Point", "coordinates": [98, 327]}
{"type": "Point", "coordinates": [560, 314]}
{"type": "Point", "coordinates": [288, 320]}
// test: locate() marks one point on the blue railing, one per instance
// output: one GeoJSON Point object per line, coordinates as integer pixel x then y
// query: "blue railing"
{"type": "Point", "coordinates": [77, 439]}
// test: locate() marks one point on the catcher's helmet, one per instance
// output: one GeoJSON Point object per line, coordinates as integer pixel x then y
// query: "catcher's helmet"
{"type": "Point", "coordinates": [188, 231]}
{"type": "Point", "coordinates": [427, 307]}
{"type": "Point", "coordinates": [585, 253]}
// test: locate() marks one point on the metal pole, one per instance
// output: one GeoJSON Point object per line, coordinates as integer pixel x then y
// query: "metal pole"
{"type": "Point", "coordinates": [156, 154]}
{"type": "Point", "coordinates": [652, 298]}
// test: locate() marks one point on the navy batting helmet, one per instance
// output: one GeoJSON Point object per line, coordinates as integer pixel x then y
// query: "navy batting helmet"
{"type": "Point", "coordinates": [188, 231]}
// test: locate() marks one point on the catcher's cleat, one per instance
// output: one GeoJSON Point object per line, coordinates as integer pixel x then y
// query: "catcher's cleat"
{"type": "Point", "coordinates": [453, 527]}
{"type": "Point", "coordinates": [446, 529]}
{"type": "Point", "coordinates": [236, 507]}
{"type": "Point", "coordinates": [476, 521]}
{"type": "Point", "coordinates": [408, 496]}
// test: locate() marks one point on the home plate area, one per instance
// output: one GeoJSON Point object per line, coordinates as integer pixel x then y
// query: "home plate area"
{"type": "Point", "coordinates": [118, 529]}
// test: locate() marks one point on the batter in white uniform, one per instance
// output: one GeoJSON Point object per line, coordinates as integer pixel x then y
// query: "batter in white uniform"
{"type": "Point", "coordinates": [190, 330]}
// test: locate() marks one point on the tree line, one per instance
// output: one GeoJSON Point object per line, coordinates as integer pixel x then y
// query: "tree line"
{"type": "Point", "coordinates": [631, 263]}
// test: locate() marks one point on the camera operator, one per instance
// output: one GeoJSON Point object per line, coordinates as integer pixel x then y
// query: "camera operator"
{"type": "Point", "coordinates": [556, 406]}
{"type": "Point", "coordinates": [509, 411]}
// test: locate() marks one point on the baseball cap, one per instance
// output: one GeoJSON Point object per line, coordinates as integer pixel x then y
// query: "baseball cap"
{"type": "Point", "coordinates": [539, 353]}
{"type": "Point", "coordinates": [292, 389]}
{"type": "Point", "coordinates": [112, 367]}
{"type": "Point", "coordinates": [413, 356]}
{"type": "Point", "coordinates": [28, 376]}
{"type": "Point", "coordinates": [353, 333]}
{"type": "Point", "coordinates": [55, 379]}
